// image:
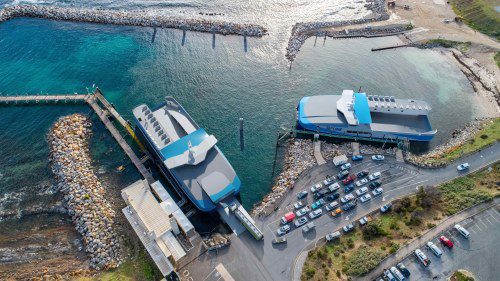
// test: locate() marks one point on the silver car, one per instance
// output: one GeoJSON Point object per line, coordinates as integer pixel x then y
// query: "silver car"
{"type": "Point", "coordinates": [316, 213]}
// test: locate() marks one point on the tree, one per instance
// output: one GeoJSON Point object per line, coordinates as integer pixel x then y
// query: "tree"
{"type": "Point", "coordinates": [372, 230]}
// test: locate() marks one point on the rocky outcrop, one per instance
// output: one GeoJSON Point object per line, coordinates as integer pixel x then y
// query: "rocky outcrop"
{"type": "Point", "coordinates": [134, 18]}
{"type": "Point", "coordinates": [85, 197]}
{"type": "Point", "coordinates": [299, 157]}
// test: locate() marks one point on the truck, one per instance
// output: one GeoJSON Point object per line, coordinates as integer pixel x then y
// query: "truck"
{"type": "Point", "coordinates": [288, 217]}
{"type": "Point", "coordinates": [339, 160]}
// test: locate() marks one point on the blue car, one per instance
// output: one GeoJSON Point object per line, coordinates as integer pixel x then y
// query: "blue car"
{"type": "Point", "coordinates": [357, 158]}
{"type": "Point", "coordinates": [348, 188]}
{"type": "Point", "coordinates": [318, 204]}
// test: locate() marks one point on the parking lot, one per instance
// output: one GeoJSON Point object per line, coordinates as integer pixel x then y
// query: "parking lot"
{"type": "Point", "coordinates": [479, 254]}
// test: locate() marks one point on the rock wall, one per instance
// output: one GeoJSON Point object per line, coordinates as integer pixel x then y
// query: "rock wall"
{"type": "Point", "coordinates": [134, 18]}
{"type": "Point", "coordinates": [85, 197]}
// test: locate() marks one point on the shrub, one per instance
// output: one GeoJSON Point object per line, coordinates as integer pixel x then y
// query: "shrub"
{"type": "Point", "coordinates": [310, 272]}
{"type": "Point", "coordinates": [362, 261]}
{"type": "Point", "coordinates": [372, 230]}
{"type": "Point", "coordinates": [394, 247]}
{"type": "Point", "coordinates": [402, 206]}
{"type": "Point", "coordinates": [338, 273]}
{"type": "Point", "coordinates": [483, 136]}
{"type": "Point", "coordinates": [350, 242]}
{"type": "Point", "coordinates": [430, 225]}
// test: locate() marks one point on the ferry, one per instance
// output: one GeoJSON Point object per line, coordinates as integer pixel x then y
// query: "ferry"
{"type": "Point", "coordinates": [187, 155]}
{"type": "Point", "coordinates": [369, 117]}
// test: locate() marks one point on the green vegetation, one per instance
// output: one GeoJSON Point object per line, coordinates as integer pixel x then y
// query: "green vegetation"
{"type": "Point", "coordinates": [497, 59]}
{"type": "Point", "coordinates": [459, 276]}
{"type": "Point", "coordinates": [357, 253]}
{"type": "Point", "coordinates": [462, 46]}
{"type": "Point", "coordinates": [362, 261]}
{"type": "Point", "coordinates": [479, 15]}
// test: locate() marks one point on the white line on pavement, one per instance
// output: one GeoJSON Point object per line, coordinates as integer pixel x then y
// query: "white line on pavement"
{"type": "Point", "coordinates": [479, 220]}
{"type": "Point", "coordinates": [478, 227]}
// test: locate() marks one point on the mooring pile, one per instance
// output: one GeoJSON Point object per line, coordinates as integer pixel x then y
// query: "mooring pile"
{"type": "Point", "coordinates": [134, 18]}
{"type": "Point", "coordinates": [85, 196]}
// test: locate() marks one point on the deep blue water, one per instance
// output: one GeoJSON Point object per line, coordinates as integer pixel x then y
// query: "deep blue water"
{"type": "Point", "coordinates": [216, 86]}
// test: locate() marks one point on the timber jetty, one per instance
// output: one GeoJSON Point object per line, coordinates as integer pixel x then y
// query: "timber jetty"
{"type": "Point", "coordinates": [131, 18]}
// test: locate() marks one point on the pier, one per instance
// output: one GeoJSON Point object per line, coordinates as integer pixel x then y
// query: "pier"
{"type": "Point", "coordinates": [30, 99]}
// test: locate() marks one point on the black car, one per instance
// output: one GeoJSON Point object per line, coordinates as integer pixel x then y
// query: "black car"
{"type": "Point", "coordinates": [374, 185]}
{"type": "Point", "coordinates": [342, 174]}
{"type": "Point", "coordinates": [349, 205]}
{"type": "Point", "coordinates": [321, 193]}
{"type": "Point", "coordinates": [403, 269]}
{"type": "Point", "coordinates": [333, 197]}
{"type": "Point", "coordinates": [348, 188]}
{"type": "Point", "coordinates": [362, 174]}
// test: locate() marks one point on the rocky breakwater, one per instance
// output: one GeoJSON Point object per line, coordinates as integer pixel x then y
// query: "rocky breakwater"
{"type": "Point", "coordinates": [85, 197]}
{"type": "Point", "coordinates": [303, 30]}
{"type": "Point", "coordinates": [299, 157]}
{"type": "Point", "coordinates": [134, 18]}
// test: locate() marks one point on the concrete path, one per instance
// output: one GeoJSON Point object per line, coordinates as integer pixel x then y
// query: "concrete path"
{"type": "Point", "coordinates": [421, 240]}
{"type": "Point", "coordinates": [317, 153]}
{"type": "Point", "coordinates": [355, 148]}
{"type": "Point", "coordinates": [399, 156]}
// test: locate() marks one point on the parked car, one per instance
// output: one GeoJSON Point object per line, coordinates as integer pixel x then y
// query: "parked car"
{"type": "Point", "coordinates": [342, 175]}
{"type": "Point", "coordinates": [422, 257]}
{"type": "Point", "coordinates": [347, 198]}
{"type": "Point", "coordinates": [462, 231]}
{"type": "Point", "coordinates": [349, 179]}
{"type": "Point", "coordinates": [364, 220]}
{"type": "Point", "coordinates": [298, 205]}
{"type": "Point", "coordinates": [349, 205]}
{"type": "Point", "coordinates": [320, 193]}
{"type": "Point", "coordinates": [308, 227]}
{"type": "Point", "coordinates": [302, 194]}
{"type": "Point", "coordinates": [316, 213]}
{"type": "Point", "coordinates": [446, 242]}
{"type": "Point", "coordinates": [362, 174]}
{"type": "Point", "coordinates": [362, 191]}
{"type": "Point", "coordinates": [357, 158]}
{"type": "Point", "coordinates": [435, 249]}
{"type": "Point", "coordinates": [463, 167]}
{"type": "Point", "coordinates": [328, 181]}
{"type": "Point", "coordinates": [374, 176]}
{"type": "Point", "coordinates": [377, 191]}
{"type": "Point", "coordinates": [348, 228]}
{"type": "Point", "coordinates": [332, 236]}
{"type": "Point", "coordinates": [337, 212]}
{"type": "Point", "coordinates": [361, 182]}
{"type": "Point", "coordinates": [397, 273]}
{"type": "Point", "coordinates": [318, 204]}
{"type": "Point", "coordinates": [283, 230]}
{"type": "Point", "coordinates": [346, 166]}
{"type": "Point", "coordinates": [302, 211]}
{"type": "Point", "coordinates": [333, 187]}
{"type": "Point", "coordinates": [378, 157]}
{"type": "Point", "coordinates": [279, 240]}
{"type": "Point", "coordinates": [288, 217]}
{"type": "Point", "coordinates": [331, 206]}
{"type": "Point", "coordinates": [332, 197]}
{"type": "Point", "coordinates": [315, 188]}
{"type": "Point", "coordinates": [389, 276]}
{"type": "Point", "coordinates": [386, 208]}
{"type": "Point", "coordinates": [403, 269]}
{"type": "Point", "coordinates": [364, 198]}
{"type": "Point", "coordinates": [300, 221]}
{"type": "Point", "coordinates": [349, 188]}
{"type": "Point", "coordinates": [374, 184]}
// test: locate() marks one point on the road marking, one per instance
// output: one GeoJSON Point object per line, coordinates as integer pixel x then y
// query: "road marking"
{"type": "Point", "coordinates": [472, 230]}
{"type": "Point", "coordinates": [488, 220]}
{"type": "Point", "coordinates": [493, 216]}
{"type": "Point", "coordinates": [479, 220]}
{"type": "Point", "coordinates": [478, 227]}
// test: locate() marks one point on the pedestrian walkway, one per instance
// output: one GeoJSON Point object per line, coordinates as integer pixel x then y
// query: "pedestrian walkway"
{"type": "Point", "coordinates": [399, 156]}
{"type": "Point", "coordinates": [317, 152]}
{"type": "Point", "coordinates": [355, 148]}
{"type": "Point", "coordinates": [407, 250]}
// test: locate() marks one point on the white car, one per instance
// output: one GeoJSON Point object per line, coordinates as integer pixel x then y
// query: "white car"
{"type": "Point", "coordinates": [346, 166]}
{"type": "Point", "coordinates": [463, 167]}
{"type": "Point", "coordinates": [435, 249]}
{"type": "Point", "coordinates": [298, 205]}
{"type": "Point", "coordinates": [362, 191]}
{"type": "Point", "coordinates": [302, 211]}
{"type": "Point", "coordinates": [283, 230]}
{"type": "Point", "coordinates": [363, 221]}
{"type": "Point", "coordinates": [334, 187]}
{"type": "Point", "coordinates": [361, 182]}
{"type": "Point", "coordinates": [316, 213]}
{"type": "Point", "coordinates": [378, 157]}
{"type": "Point", "coordinates": [347, 198]}
{"type": "Point", "coordinates": [316, 187]}
{"type": "Point", "coordinates": [328, 181]}
{"type": "Point", "coordinates": [332, 236]}
{"type": "Point", "coordinates": [332, 206]}
{"type": "Point", "coordinates": [377, 191]}
{"type": "Point", "coordinates": [365, 198]}
{"type": "Point", "coordinates": [422, 257]}
{"type": "Point", "coordinates": [462, 230]}
{"type": "Point", "coordinates": [374, 176]}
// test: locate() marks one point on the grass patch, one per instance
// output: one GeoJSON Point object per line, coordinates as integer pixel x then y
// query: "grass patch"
{"type": "Point", "coordinates": [459, 276]}
{"type": "Point", "coordinates": [362, 261]}
{"type": "Point", "coordinates": [479, 15]}
{"type": "Point", "coordinates": [462, 46]}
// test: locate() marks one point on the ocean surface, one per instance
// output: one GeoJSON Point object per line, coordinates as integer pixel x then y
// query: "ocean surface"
{"type": "Point", "coordinates": [216, 85]}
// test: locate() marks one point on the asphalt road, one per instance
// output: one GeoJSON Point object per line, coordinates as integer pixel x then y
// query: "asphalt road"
{"type": "Point", "coordinates": [247, 259]}
{"type": "Point", "coordinates": [479, 254]}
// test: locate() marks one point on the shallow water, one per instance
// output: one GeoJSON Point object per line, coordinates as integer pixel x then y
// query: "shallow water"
{"type": "Point", "coordinates": [216, 86]}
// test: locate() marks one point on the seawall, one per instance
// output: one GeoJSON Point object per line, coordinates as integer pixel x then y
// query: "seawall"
{"type": "Point", "coordinates": [131, 18]}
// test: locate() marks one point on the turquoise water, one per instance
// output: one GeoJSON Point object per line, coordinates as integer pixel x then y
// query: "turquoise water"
{"type": "Point", "coordinates": [217, 87]}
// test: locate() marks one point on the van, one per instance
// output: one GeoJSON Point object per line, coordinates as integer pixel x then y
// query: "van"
{"type": "Point", "coordinates": [397, 274]}
{"type": "Point", "coordinates": [422, 257]}
{"type": "Point", "coordinates": [435, 249]}
{"type": "Point", "coordinates": [288, 217]}
{"type": "Point", "coordinates": [462, 231]}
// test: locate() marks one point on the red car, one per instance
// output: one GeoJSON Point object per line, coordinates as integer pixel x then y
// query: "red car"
{"type": "Point", "coordinates": [349, 179]}
{"type": "Point", "coordinates": [445, 241]}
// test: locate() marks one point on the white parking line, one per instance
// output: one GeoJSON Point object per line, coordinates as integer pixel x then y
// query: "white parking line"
{"type": "Point", "coordinates": [493, 215]}
{"type": "Point", "coordinates": [488, 220]}
{"type": "Point", "coordinates": [478, 227]}
{"type": "Point", "coordinates": [479, 220]}
{"type": "Point", "coordinates": [472, 230]}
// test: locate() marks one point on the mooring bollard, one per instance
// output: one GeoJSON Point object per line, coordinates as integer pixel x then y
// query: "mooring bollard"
{"type": "Point", "coordinates": [183, 37]}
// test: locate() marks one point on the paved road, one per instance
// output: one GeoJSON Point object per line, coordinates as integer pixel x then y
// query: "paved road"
{"type": "Point", "coordinates": [247, 259]}
{"type": "Point", "coordinates": [479, 254]}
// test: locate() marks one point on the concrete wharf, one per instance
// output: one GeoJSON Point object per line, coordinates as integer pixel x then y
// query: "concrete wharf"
{"type": "Point", "coordinates": [30, 99]}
